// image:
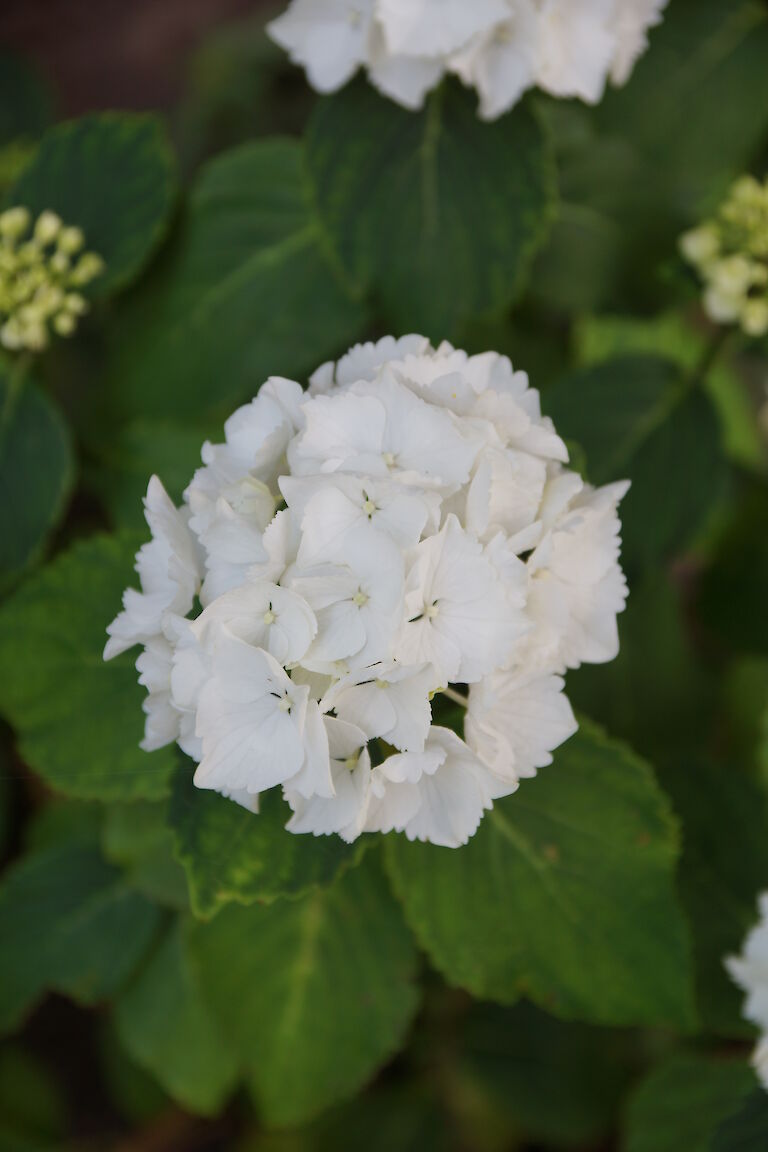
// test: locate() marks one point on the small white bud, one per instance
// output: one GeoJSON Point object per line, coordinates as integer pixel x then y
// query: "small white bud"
{"type": "Point", "coordinates": [754, 317]}
{"type": "Point", "coordinates": [14, 222]}
{"type": "Point", "coordinates": [47, 227]}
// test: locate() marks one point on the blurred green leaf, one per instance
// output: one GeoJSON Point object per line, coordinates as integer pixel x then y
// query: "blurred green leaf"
{"type": "Point", "coordinates": [437, 213]}
{"type": "Point", "coordinates": [719, 876]}
{"type": "Point", "coordinates": [36, 463]}
{"type": "Point", "coordinates": [137, 838]}
{"type": "Point", "coordinates": [599, 338]}
{"type": "Point", "coordinates": [230, 853]}
{"type": "Point", "coordinates": [246, 292]}
{"type": "Point", "coordinates": [141, 449]}
{"type": "Point", "coordinates": [78, 720]}
{"type": "Point", "coordinates": [316, 992]}
{"type": "Point", "coordinates": [557, 1083]}
{"type": "Point", "coordinates": [70, 924]}
{"type": "Point", "coordinates": [111, 174]}
{"type": "Point", "coordinates": [732, 603]}
{"type": "Point", "coordinates": [679, 1105]}
{"type": "Point", "coordinates": [135, 1094]}
{"type": "Point", "coordinates": [638, 418]}
{"type": "Point", "coordinates": [164, 1021]}
{"type": "Point", "coordinates": [32, 1110]}
{"type": "Point", "coordinates": [565, 894]}
{"type": "Point", "coordinates": [747, 1129]}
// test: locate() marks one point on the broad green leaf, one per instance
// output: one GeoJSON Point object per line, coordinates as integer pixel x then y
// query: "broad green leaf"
{"type": "Point", "coordinates": [230, 853]}
{"type": "Point", "coordinates": [556, 1083]}
{"type": "Point", "coordinates": [70, 924]}
{"type": "Point", "coordinates": [436, 213]}
{"type": "Point", "coordinates": [565, 894]}
{"type": "Point", "coordinates": [682, 1101]}
{"type": "Point", "coordinates": [404, 1116]}
{"type": "Point", "coordinates": [638, 418]}
{"type": "Point", "coordinates": [32, 1107]}
{"type": "Point", "coordinates": [599, 338]}
{"type": "Point", "coordinates": [137, 838]}
{"type": "Point", "coordinates": [719, 876]}
{"type": "Point", "coordinates": [35, 463]}
{"type": "Point", "coordinates": [747, 1129]}
{"type": "Point", "coordinates": [731, 602]}
{"type": "Point", "coordinates": [139, 450]}
{"type": "Point", "coordinates": [135, 1094]}
{"type": "Point", "coordinates": [111, 174]}
{"type": "Point", "coordinates": [164, 1021]}
{"type": "Point", "coordinates": [316, 992]}
{"type": "Point", "coordinates": [78, 720]}
{"type": "Point", "coordinates": [658, 695]}
{"type": "Point", "coordinates": [247, 292]}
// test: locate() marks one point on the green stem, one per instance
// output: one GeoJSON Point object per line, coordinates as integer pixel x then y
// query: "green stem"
{"type": "Point", "coordinates": [16, 379]}
{"type": "Point", "coordinates": [711, 355]}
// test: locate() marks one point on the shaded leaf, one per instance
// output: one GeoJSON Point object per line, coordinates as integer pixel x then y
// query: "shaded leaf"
{"type": "Point", "coordinates": [565, 894]}
{"type": "Point", "coordinates": [111, 174]}
{"type": "Point", "coordinates": [36, 463]}
{"type": "Point", "coordinates": [682, 1101]}
{"type": "Point", "coordinates": [638, 418]}
{"type": "Point", "coordinates": [69, 924]}
{"type": "Point", "coordinates": [473, 201]}
{"type": "Point", "coordinates": [747, 1129]}
{"type": "Point", "coordinates": [164, 1021]}
{"type": "Point", "coordinates": [245, 293]}
{"type": "Point", "coordinates": [230, 853]}
{"type": "Point", "coordinates": [78, 720]}
{"type": "Point", "coordinates": [137, 838]}
{"type": "Point", "coordinates": [316, 992]}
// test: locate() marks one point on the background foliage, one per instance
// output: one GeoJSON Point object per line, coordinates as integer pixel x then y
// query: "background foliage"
{"type": "Point", "coordinates": [177, 974]}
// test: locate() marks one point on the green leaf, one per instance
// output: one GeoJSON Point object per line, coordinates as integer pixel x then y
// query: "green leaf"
{"type": "Point", "coordinates": [638, 418]}
{"type": "Point", "coordinates": [557, 1083]}
{"type": "Point", "coordinates": [565, 894]}
{"type": "Point", "coordinates": [230, 853]}
{"type": "Point", "coordinates": [600, 338]}
{"type": "Point", "coordinates": [245, 293]}
{"type": "Point", "coordinates": [731, 601]}
{"type": "Point", "coordinates": [69, 924]}
{"type": "Point", "coordinates": [36, 462]}
{"type": "Point", "coordinates": [32, 1109]}
{"type": "Point", "coordinates": [165, 1023]}
{"type": "Point", "coordinates": [316, 992]}
{"type": "Point", "coordinates": [682, 1101]}
{"type": "Point", "coordinates": [719, 878]}
{"type": "Point", "coordinates": [139, 450]}
{"type": "Point", "coordinates": [111, 174]}
{"type": "Point", "coordinates": [436, 212]}
{"type": "Point", "coordinates": [747, 1129]}
{"type": "Point", "coordinates": [78, 720]}
{"type": "Point", "coordinates": [137, 838]}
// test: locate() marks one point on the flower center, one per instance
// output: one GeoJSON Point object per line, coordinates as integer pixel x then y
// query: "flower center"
{"type": "Point", "coordinates": [285, 704]}
{"type": "Point", "coordinates": [431, 611]}
{"type": "Point", "coordinates": [360, 598]}
{"type": "Point", "coordinates": [269, 616]}
{"type": "Point", "coordinates": [369, 507]}
{"type": "Point", "coordinates": [389, 459]}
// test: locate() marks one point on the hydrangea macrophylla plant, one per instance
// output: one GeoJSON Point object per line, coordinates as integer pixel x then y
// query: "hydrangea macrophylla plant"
{"type": "Point", "coordinates": [730, 253]}
{"type": "Point", "coordinates": [41, 275]}
{"type": "Point", "coordinates": [499, 47]}
{"type": "Point", "coordinates": [407, 527]}
{"type": "Point", "coordinates": [750, 971]}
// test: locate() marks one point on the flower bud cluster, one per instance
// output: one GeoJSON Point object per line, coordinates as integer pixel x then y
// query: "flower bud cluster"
{"type": "Point", "coordinates": [730, 253]}
{"type": "Point", "coordinates": [405, 529]}
{"type": "Point", "coordinates": [499, 47]}
{"type": "Point", "coordinates": [42, 269]}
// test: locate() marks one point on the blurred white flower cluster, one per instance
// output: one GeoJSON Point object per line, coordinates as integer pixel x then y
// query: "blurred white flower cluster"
{"type": "Point", "coordinates": [750, 971]}
{"type": "Point", "coordinates": [499, 47]}
{"type": "Point", "coordinates": [41, 275]}
{"type": "Point", "coordinates": [405, 526]}
{"type": "Point", "coordinates": [730, 253]}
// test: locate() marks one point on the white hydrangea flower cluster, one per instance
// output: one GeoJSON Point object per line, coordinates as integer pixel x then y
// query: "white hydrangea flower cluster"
{"type": "Point", "coordinates": [40, 278]}
{"type": "Point", "coordinates": [750, 972]}
{"type": "Point", "coordinates": [499, 47]}
{"type": "Point", "coordinates": [405, 528]}
{"type": "Point", "coordinates": [730, 253]}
